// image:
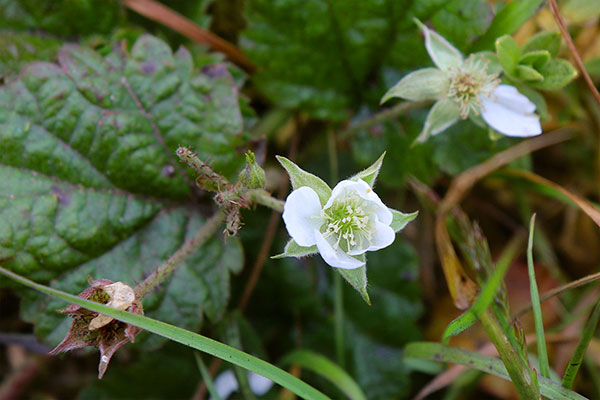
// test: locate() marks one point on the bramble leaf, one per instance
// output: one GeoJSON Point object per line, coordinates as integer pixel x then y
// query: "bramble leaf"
{"type": "Point", "coordinates": [91, 185]}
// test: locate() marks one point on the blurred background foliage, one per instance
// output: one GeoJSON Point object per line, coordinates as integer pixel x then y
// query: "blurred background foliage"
{"type": "Point", "coordinates": [321, 69]}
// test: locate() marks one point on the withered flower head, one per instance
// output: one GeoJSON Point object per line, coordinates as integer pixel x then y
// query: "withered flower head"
{"type": "Point", "coordinates": [90, 328]}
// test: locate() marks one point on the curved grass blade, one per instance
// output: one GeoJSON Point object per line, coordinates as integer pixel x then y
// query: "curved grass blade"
{"type": "Point", "coordinates": [442, 353]}
{"type": "Point", "coordinates": [184, 337]}
{"type": "Point", "coordinates": [577, 359]}
{"type": "Point", "coordinates": [327, 369]}
{"type": "Point", "coordinates": [536, 306]}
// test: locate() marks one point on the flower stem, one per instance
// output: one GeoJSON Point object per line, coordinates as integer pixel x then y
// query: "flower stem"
{"type": "Point", "coordinates": [166, 269]}
{"type": "Point", "coordinates": [262, 197]}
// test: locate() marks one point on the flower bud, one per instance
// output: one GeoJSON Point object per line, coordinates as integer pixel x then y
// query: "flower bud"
{"type": "Point", "coordinates": [252, 176]}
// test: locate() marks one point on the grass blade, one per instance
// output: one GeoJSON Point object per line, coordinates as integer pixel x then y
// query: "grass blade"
{"type": "Point", "coordinates": [442, 353]}
{"type": "Point", "coordinates": [185, 337]}
{"type": "Point", "coordinates": [208, 381]}
{"type": "Point", "coordinates": [536, 306]}
{"type": "Point", "coordinates": [586, 336]}
{"type": "Point", "coordinates": [327, 369]}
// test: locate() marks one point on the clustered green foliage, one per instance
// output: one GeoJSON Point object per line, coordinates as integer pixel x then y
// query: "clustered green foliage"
{"type": "Point", "coordinates": [95, 99]}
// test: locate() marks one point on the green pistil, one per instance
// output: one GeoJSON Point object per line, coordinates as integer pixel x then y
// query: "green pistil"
{"type": "Point", "coordinates": [348, 221]}
{"type": "Point", "coordinates": [470, 81]}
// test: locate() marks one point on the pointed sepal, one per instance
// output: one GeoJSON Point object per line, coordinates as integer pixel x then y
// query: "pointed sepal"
{"type": "Point", "coordinates": [300, 178]}
{"type": "Point", "coordinates": [370, 174]}
{"type": "Point", "coordinates": [357, 278]}
{"type": "Point", "coordinates": [442, 115]}
{"type": "Point", "coordinates": [442, 53]}
{"type": "Point", "coordinates": [422, 84]}
{"type": "Point", "coordinates": [293, 249]}
{"type": "Point", "coordinates": [400, 219]}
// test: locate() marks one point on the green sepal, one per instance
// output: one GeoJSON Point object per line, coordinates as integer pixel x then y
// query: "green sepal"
{"type": "Point", "coordinates": [293, 249]}
{"type": "Point", "coordinates": [549, 41]}
{"type": "Point", "coordinates": [442, 115]}
{"type": "Point", "coordinates": [422, 84]}
{"type": "Point", "coordinates": [527, 73]}
{"type": "Point", "coordinates": [508, 53]}
{"type": "Point", "coordinates": [300, 178]}
{"type": "Point", "coordinates": [400, 220]}
{"type": "Point", "coordinates": [442, 53]}
{"type": "Point", "coordinates": [536, 58]}
{"type": "Point", "coordinates": [370, 174]}
{"type": "Point", "coordinates": [357, 278]}
{"type": "Point", "coordinates": [557, 73]}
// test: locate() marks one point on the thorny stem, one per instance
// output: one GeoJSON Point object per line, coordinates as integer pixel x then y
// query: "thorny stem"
{"type": "Point", "coordinates": [207, 178]}
{"type": "Point", "coordinates": [166, 269]}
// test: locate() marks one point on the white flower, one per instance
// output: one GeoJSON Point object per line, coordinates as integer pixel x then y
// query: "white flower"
{"type": "Point", "coordinates": [465, 88]}
{"type": "Point", "coordinates": [353, 221]}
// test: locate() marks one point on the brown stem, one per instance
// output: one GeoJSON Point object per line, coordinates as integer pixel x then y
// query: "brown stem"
{"type": "Point", "coordinates": [166, 269]}
{"type": "Point", "coordinates": [166, 16]}
{"type": "Point", "coordinates": [565, 33]}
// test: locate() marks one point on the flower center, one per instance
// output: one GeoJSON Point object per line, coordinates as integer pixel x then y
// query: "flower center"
{"type": "Point", "coordinates": [470, 81]}
{"type": "Point", "coordinates": [347, 220]}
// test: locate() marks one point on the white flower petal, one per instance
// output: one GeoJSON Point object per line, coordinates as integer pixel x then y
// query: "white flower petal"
{"type": "Point", "coordinates": [384, 236]}
{"type": "Point", "coordinates": [335, 257]}
{"type": "Point", "coordinates": [302, 215]}
{"type": "Point", "coordinates": [259, 384]}
{"type": "Point", "coordinates": [362, 189]}
{"type": "Point", "coordinates": [226, 384]}
{"type": "Point", "coordinates": [510, 113]}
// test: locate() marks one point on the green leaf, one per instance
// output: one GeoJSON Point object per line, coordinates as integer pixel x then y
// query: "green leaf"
{"type": "Point", "coordinates": [490, 365]}
{"type": "Point", "coordinates": [422, 84]}
{"type": "Point", "coordinates": [301, 178]}
{"type": "Point", "coordinates": [293, 249]}
{"type": "Point", "coordinates": [400, 220]}
{"type": "Point", "coordinates": [320, 55]}
{"type": "Point", "coordinates": [536, 306]}
{"type": "Point", "coordinates": [91, 185]}
{"type": "Point", "coordinates": [536, 58]}
{"type": "Point", "coordinates": [357, 278]}
{"type": "Point", "coordinates": [370, 174]}
{"type": "Point", "coordinates": [506, 22]}
{"type": "Point", "coordinates": [528, 74]}
{"type": "Point", "coordinates": [184, 337]}
{"type": "Point", "coordinates": [549, 41]}
{"type": "Point", "coordinates": [508, 53]}
{"type": "Point", "coordinates": [321, 365]}
{"type": "Point", "coordinates": [442, 53]}
{"type": "Point", "coordinates": [460, 21]}
{"type": "Point", "coordinates": [442, 115]}
{"type": "Point", "coordinates": [557, 74]}
{"type": "Point", "coordinates": [62, 17]}
{"type": "Point", "coordinates": [586, 336]}
{"type": "Point", "coordinates": [17, 49]}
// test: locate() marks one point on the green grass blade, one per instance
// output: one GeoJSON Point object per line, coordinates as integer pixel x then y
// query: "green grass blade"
{"type": "Point", "coordinates": [327, 369]}
{"type": "Point", "coordinates": [486, 296]}
{"type": "Point", "coordinates": [506, 22]}
{"type": "Point", "coordinates": [208, 381]}
{"type": "Point", "coordinates": [442, 353]}
{"type": "Point", "coordinates": [586, 336]}
{"type": "Point", "coordinates": [185, 337]}
{"type": "Point", "coordinates": [536, 306]}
